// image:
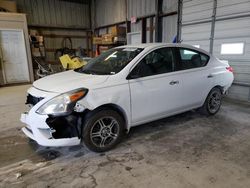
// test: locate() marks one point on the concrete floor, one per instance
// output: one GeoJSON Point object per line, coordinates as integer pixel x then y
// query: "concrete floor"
{"type": "Point", "coordinates": [187, 150]}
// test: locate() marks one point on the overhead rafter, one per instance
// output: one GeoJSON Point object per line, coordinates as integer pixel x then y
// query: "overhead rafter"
{"type": "Point", "coordinates": [158, 20]}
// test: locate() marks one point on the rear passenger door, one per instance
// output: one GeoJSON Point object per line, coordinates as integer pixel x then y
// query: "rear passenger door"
{"type": "Point", "coordinates": [193, 75]}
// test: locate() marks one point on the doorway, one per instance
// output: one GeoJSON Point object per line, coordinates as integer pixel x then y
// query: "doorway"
{"type": "Point", "coordinates": [13, 57]}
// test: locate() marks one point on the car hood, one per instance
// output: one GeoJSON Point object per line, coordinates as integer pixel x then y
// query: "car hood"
{"type": "Point", "coordinates": [69, 80]}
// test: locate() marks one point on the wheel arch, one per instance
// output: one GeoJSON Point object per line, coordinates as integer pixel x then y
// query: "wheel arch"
{"type": "Point", "coordinates": [220, 88]}
{"type": "Point", "coordinates": [217, 86]}
{"type": "Point", "coordinates": [116, 108]}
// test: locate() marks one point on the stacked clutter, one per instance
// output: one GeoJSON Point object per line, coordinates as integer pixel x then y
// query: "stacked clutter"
{"type": "Point", "coordinates": [37, 44]}
{"type": "Point", "coordinates": [116, 36]}
{"type": "Point", "coordinates": [119, 34]}
{"type": "Point", "coordinates": [8, 6]}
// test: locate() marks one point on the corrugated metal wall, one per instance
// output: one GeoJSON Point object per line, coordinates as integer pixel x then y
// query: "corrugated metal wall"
{"type": "Point", "coordinates": [140, 8]}
{"type": "Point", "coordinates": [169, 23]}
{"type": "Point", "coordinates": [235, 30]}
{"type": "Point", "coordinates": [49, 15]}
{"type": "Point", "coordinates": [109, 12]}
{"type": "Point", "coordinates": [195, 32]}
{"type": "Point", "coordinates": [55, 13]}
{"type": "Point", "coordinates": [169, 27]}
{"type": "Point", "coordinates": [114, 11]}
{"type": "Point", "coordinates": [169, 5]}
{"type": "Point", "coordinates": [232, 25]}
{"type": "Point", "coordinates": [197, 10]}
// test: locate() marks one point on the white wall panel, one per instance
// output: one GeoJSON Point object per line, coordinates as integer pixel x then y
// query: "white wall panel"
{"type": "Point", "coordinates": [235, 31]}
{"type": "Point", "coordinates": [109, 12]}
{"type": "Point", "coordinates": [55, 13]}
{"type": "Point", "coordinates": [169, 5]}
{"type": "Point", "coordinates": [196, 32]}
{"type": "Point", "coordinates": [194, 10]}
{"type": "Point", "coordinates": [136, 26]}
{"type": "Point", "coordinates": [169, 25]}
{"type": "Point", "coordinates": [232, 28]}
{"type": "Point", "coordinates": [140, 8]}
{"type": "Point", "coordinates": [231, 7]}
{"type": "Point", "coordinates": [239, 92]}
{"type": "Point", "coordinates": [228, 29]}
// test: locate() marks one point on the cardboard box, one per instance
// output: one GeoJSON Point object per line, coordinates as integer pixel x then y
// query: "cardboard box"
{"type": "Point", "coordinates": [120, 39]}
{"type": "Point", "coordinates": [35, 52]}
{"type": "Point", "coordinates": [97, 40]}
{"type": "Point", "coordinates": [9, 6]}
{"type": "Point", "coordinates": [107, 39]}
{"type": "Point", "coordinates": [118, 31]}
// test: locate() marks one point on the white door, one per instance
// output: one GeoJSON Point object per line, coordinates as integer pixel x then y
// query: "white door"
{"type": "Point", "coordinates": [164, 84]}
{"type": "Point", "coordinates": [14, 57]}
{"type": "Point", "coordinates": [154, 87]}
{"type": "Point", "coordinates": [194, 76]}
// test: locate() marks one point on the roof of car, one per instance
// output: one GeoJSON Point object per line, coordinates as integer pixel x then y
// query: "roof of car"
{"type": "Point", "coordinates": [153, 45]}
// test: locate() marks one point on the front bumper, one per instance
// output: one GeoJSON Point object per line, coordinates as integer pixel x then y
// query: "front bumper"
{"type": "Point", "coordinates": [38, 130]}
{"type": "Point", "coordinates": [43, 136]}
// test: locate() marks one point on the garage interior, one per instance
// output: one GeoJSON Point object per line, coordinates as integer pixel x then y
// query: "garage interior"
{"type": "Point", "coordinates": [186, 150]}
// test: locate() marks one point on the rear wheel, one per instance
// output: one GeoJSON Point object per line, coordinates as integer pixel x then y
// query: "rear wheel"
{"type": "Point", "coordinates": [103, 130]}
{"type": "Point", "coordinates": [212, 103]}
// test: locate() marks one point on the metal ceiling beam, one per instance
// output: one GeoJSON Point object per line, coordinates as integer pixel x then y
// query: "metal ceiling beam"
{"type": "Point", "coordinates": [211, 45]}
{"type": "Point", "coordinates": [179, 22]}
{"type": "Point", "coordinates": [158, 20]}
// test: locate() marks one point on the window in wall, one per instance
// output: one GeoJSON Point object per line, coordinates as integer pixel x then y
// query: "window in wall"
{"type": "Point", "coordinates": [157, 62]}
{"type": "Point", "coordinates": [192, 59]}
{"type": "Point", "coordinates": [232, 48]}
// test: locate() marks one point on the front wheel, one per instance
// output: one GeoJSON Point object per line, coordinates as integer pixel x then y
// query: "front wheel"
{"type": "Point", "coordinates": [212, 103]}
{"type": "Point", "coordinates": [103, 130]}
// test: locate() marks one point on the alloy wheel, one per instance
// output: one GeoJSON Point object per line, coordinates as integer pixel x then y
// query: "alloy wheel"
{"type": "Point", "coordinates": [214, 102]}
{"type": "Point", "coordinates": [104, 132]}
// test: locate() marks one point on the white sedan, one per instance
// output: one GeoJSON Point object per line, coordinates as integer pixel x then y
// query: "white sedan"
{"type": "Point", "coordinates": [123, 87]}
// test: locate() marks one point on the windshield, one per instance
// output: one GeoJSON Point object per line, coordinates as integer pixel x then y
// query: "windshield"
{"type": "Point", "coordinates": [111, 61]}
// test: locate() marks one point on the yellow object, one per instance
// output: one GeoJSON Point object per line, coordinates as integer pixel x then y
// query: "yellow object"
{"type": "Point", "coordinates": [73, 63]}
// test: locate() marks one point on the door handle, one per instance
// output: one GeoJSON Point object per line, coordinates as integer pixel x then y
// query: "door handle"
{"type": "Point", "coordinates": [173, 82]}
{"type": "Point", "coordinates": [210, 76]}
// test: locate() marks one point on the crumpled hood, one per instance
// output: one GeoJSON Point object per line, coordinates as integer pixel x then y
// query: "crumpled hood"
{"type": "Point", "coordinates": [69, 80]}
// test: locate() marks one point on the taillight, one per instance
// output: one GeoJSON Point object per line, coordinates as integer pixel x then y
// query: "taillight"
{"type": "Point", "coordinates": [230, 69]}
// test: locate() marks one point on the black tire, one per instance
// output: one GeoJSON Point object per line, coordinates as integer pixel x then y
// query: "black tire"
{"type": "Point", "coordinates": [103, 130]}
{"type": "Point", "coordinates": [213, 102]}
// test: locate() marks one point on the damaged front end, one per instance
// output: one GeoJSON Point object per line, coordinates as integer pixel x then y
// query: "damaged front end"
{"type": "Point", "coordinates": [68, 126]}
{"type": "Point", "coordinates": [56, 120]}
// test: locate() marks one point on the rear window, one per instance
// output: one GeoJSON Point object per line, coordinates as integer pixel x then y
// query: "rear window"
{"type": "Point", "coordinates": [192, 59]}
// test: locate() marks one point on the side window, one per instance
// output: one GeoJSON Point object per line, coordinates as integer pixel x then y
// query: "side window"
{"type": "Point", "coordinates": [192, 59]}
{"type": "Point", "coordinates": [157, 62]}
